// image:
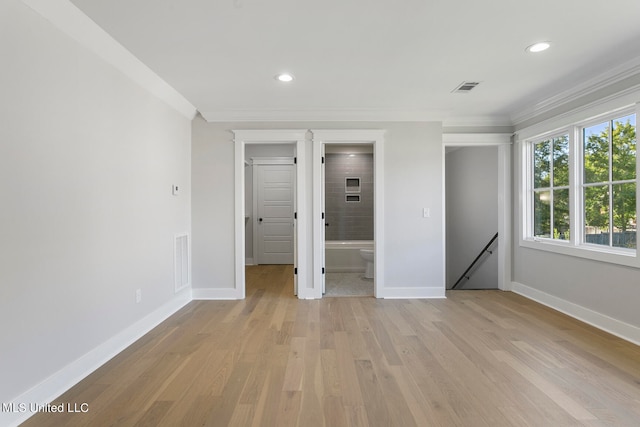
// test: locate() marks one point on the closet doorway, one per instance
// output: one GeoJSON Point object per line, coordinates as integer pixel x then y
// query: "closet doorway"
{"type": "Point", "coordinates": [276, 241]}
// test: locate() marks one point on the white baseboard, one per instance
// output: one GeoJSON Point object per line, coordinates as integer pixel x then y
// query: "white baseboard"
{"type": "Point", "coordinates": [216, 294]}
{"type": "Point", "coordinates": [248, 261]}
{"type": "Point", "coordinates": [411, 293]}
{"type": "Point", "coordinates": [73, 373]}
{"type": "Point", "coordinates": [608, 324]}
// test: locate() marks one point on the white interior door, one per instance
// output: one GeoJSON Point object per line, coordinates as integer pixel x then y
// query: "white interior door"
{"type": "Point", "coordinates": [274, 216]}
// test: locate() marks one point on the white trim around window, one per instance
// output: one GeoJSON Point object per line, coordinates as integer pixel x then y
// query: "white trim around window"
{"type": "Point", "coordinates": [575, 245]}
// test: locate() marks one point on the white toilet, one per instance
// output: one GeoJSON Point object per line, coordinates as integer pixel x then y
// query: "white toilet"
{"type": "Point", "coordinates": [367, 256]}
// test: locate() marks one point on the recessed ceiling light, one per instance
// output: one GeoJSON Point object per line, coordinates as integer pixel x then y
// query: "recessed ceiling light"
{"type": "Point", "coordinates": [284, 77]}
{"type": "Point", "coordinates": [538, 47]}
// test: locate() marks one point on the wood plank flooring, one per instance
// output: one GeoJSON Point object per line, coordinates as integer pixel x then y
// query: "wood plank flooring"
{"type": "Point", "coordinates": [478, 358]}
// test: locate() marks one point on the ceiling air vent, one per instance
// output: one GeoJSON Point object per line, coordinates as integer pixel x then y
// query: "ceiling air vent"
{"type": "Point", "coordinates": [465, 87]}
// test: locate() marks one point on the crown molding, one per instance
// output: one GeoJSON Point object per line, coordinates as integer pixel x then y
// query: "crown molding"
{"type": "Point", "coordinates": [476, 139]}
{"type": "Point", "coordinates": [477, 121]}
{"type": "Point", "coordinates": [269, 135]}
{"type": "Point", "coordinates": [610, 77]}
{"type": "Point", "coordinates": [351, 115]}
{"type": "Point", "coordinates": [320, 115]}
{"type": "Point", "coordinates": [351, 136]}
{"type": "Point", "coordinates": [72, 21]}
{"type": "Point", "coordinates": [606, 105]}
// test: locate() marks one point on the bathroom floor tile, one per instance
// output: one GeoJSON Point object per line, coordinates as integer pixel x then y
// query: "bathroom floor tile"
{"type": "Point", "coordinates": [347, 285]}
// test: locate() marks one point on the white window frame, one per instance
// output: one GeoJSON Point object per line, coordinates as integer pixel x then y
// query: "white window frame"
{"type": "Point", "coordinates": [551, 187]}
{"type": "Point", "coordinates": [576, 245]}
{"type": "Point", "coordinates": [610, 182]}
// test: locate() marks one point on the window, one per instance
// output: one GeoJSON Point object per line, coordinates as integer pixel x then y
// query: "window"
{"type": "Point", "coordinates": [580, 187]}
{"type": "Point", "coordinates": [609, 182]}
{"type": "Point", "coordinates": [551, 188]}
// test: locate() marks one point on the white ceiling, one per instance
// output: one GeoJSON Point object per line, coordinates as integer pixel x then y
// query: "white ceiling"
{"type": "Point", "coordinates": [387, 59]}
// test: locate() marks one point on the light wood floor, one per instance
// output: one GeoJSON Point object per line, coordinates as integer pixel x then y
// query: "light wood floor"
{"type": "Point", "coordinates": [478, 358]}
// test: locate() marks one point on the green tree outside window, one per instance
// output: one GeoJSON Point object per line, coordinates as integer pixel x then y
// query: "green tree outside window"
{"type": "Point", "coordinates": [609, 192]}
{"type": "Point", "coordinates": [551, 188]}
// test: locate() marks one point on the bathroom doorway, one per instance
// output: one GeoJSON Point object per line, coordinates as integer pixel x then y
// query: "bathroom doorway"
{"type": "Point", "coordinates": [349, 219]}
{"type": "Point", "coordinates": [348, 201]}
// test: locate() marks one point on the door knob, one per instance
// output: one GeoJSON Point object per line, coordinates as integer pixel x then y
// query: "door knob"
{"type": "Point", "coordinates": [326, 224]}
{"type": "Point", "coordinates": [259, 219]}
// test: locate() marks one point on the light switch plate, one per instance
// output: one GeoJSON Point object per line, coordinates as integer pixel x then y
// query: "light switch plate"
{"type": "Point", "coordinates": [175, 190]}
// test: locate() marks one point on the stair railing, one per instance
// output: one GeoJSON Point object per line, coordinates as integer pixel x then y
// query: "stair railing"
{"type": "Point", "coordinates": [485, 249]}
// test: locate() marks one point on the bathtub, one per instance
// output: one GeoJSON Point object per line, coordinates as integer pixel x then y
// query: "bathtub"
{"type": "Point", "coordinates": [343, 256]}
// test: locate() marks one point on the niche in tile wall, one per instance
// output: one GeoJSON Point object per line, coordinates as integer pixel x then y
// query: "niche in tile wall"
{"type": "Point", "coordinates": [352, 185]}
{"type": "Point", "coordinates": [352, 198]}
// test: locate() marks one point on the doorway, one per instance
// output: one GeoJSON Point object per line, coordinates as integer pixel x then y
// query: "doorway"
{"type": "Point", "coordinates": [472, 217]}
{"type": "Point", "coordinates": [264, 141]}
{"type": "Point", "coordinates": [336, 138]}
{"type": "Point", "coordinates": [502, 142]}
{"type": "Point", "coordinates": [349, 218]}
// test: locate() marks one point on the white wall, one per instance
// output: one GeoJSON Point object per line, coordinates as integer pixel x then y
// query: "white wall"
{"type": "Point", "coordinates": [212, 209]}
{"type": "Point", "coordinates": [413, 180]}
{"type": "Point", "coordinates": [472, 215]}
{"type": "Point", "coordinates": [608, 289]}
{"type": "Point", "coordinates": [603, 294]}
{"type": "Point", "coordinates": [87, 161]}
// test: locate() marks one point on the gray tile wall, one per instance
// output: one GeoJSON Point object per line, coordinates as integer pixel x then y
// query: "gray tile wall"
{"type": "Point", "coordinates": [348, 220]}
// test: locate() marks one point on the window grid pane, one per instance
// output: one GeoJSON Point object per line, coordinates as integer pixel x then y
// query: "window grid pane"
{"type": "Point", "coordinates": [561, 218]}
{"type": "Point", "coordinates": [596, 153]}
{"type": "Point", "coordinates": [542, 164]}
{"type": "Point", "coordinates": [542, 214]}
{"type": "Point", "coordinates": [561, 161]}
{"type": "Point", "coordinates": [596, 215]}
{"type": "Point", "coordinates": [624, 148]}
{"type": "Point", "coordinates": [624, 216]}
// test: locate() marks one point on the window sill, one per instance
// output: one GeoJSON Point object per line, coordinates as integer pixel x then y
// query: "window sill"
{"type": "Point", "coordinates": [621, 256]}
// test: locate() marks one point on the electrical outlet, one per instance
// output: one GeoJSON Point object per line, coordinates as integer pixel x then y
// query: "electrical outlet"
{"type": "Point", "coordinates": [138, 295]}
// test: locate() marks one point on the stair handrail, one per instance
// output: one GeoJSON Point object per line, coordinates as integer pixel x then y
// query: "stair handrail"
{"type": "Point", "coordinates": [485, 249]}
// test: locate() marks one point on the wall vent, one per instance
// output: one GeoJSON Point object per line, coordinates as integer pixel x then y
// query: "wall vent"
{"type": "Point", "coordinates": [181, 260]}
{"type": "Point", "coordinates": [465, 87]}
